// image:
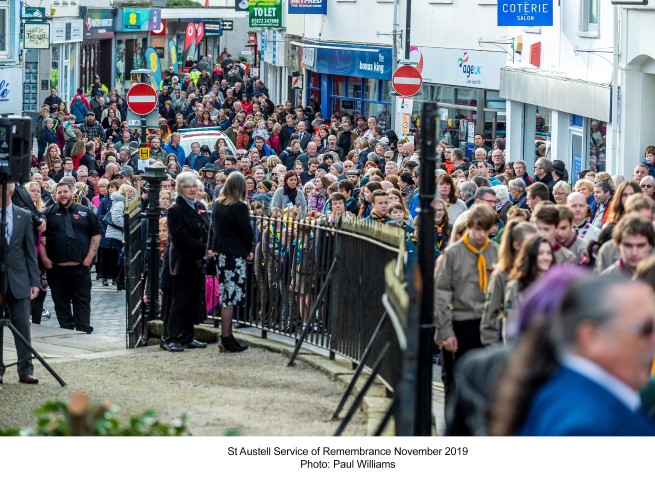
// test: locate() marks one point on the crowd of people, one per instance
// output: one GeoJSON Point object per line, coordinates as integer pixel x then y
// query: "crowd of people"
{"type": "Point", "coordinates": [501, 234]}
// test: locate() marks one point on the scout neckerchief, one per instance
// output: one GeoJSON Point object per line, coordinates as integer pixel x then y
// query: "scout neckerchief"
{"type": "Point", "coordinates": [440, 235]}
{"type": "Point", "coordinates": [378, 218]}
{"type": "Point", "coordinates": [482, 262]}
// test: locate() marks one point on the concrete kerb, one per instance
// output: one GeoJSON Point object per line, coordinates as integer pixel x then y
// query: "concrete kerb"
{"type": "Point", "coordinates": [374, 404]}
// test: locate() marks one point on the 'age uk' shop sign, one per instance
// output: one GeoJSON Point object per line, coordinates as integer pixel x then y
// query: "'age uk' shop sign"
{"type": "Point", "coordinates": [525, 13]}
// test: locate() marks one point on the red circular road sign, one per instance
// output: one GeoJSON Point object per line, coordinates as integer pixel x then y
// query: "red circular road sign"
{"type": "Point", "coordinates": [407, 80]}
{"type": "Point", "coordinates": [142, 99]}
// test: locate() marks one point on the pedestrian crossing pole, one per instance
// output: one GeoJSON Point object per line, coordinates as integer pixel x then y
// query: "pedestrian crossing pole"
{"type": "Point", "coordinates": [426, 233]}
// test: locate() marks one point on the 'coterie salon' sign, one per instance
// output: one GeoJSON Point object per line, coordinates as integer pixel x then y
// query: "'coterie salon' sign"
{"type": "Point", "coordinates": [525, 13]}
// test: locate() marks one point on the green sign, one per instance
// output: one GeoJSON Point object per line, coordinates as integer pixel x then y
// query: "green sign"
{"type": "Point", "coordinates": [265, 13]}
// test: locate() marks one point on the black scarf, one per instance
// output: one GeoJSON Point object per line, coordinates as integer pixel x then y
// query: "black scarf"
{"type": "Point", "coordinates": [291, 193]}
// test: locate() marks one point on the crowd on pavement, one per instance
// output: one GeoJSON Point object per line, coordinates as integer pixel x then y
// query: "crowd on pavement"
{"type": "Point", "coordinates": [561, 359]}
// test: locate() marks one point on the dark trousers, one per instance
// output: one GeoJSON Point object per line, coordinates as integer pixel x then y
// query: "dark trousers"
{"type": "Point", "coordinates": [184, 307]}
{"type": "Point", "coordinates": [166, 300]}
{"type": "Point", "coordinates": [108, 262]}
{"type": "Point", "coordinates": [467, 333]}
{"type": "Point", "coordinates": [19, 315]}
{"type": "Point", "coordinates": [71, 286]}
{"type": "Point", "coordinates": [37, 307]}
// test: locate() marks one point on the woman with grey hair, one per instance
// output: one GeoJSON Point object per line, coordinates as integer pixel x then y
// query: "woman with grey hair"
{"type": "Point", "coordinates": [467, 192]}
{"type": "Point", "coordinates": [561, 191]}
{"type": "Point", "coordinates": [647, 185]}
{"type": "Point", "coordinates": [188, 229]}
{"type": "Point", "coordinates": [503, 205]}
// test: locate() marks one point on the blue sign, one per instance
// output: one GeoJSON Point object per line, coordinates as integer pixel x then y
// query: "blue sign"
{"type": "Point", "coordinates": [525, 13]}
{"type": "Point", "coordinates": [213, 27]}
{"type": "Point", "coordinates": [342, 60]}
{"type": "Point", "coordinates": [308, 7]}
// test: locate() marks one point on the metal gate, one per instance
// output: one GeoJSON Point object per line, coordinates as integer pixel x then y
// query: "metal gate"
{"type": "Point", "coordinates": [136, 326]}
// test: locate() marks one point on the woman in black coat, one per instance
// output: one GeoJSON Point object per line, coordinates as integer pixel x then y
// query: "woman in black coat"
{"type": "Point", "coordinates": [188, 227]}
{"type": "Point", "coordinates": [233, 246]}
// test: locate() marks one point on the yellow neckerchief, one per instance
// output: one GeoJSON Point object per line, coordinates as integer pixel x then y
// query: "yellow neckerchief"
{"type": "Point", "coordinates": [482, 262]}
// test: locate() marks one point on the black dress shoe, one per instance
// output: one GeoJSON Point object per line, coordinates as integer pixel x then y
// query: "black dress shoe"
{"type": "Point", "coordinates": [172, 347]}
{"type": "Point", "coordinates": [29, 379]}
{"type": "Point", "coordinates": [194, 344]}
{"type": "Point", "coordinates": [105, 283]}
{"type": "Point", "coordinates": [0, 379]}
{"type": "Point", "coordinates": [85, 329]}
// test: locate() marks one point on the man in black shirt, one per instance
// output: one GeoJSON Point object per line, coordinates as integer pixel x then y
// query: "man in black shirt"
{"type": "Point", "coordinates": [72, 240]}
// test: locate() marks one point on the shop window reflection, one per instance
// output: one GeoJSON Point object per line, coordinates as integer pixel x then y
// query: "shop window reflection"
{"type": "Point", "coordinates": [542, 132]}
{"type": "Point", "coordinates": [597, 145]}
{"type": "Point", "coordinates": [339, 85]}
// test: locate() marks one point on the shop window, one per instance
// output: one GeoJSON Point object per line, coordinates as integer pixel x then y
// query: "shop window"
{"type": "Point", "coordinates": [354, 87]}
{"type": "Point", "coordinates": [342, 106]}
{"type": "Point", "coordinates": [466, 96]}
{"type": "Point", "coordinates": [445, 95]}
{"type": "Point", "coordinates": [597, 145]}
{"type": "Point", "coordinates": [4, 29]}
{"type": "Point", "coordinates": [371, 89]}
{"type": "Point", "coordinates": [314, 80]}
{"type": "Point", "coordinates": [381, 111]}
{"type": "Point", "coordinates": [339, 85]}
{"type": "Point", "coordinates": [589, 18]}
{"type": "Point", "coordinates": [542, 132]}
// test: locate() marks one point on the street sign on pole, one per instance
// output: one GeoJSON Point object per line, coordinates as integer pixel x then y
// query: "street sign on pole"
{"type": "Point", "coordinates": [141, 98]}
{"type": "Point", "coordinates": [228, 25]}
{"type": "Point", "coordinates": [407, 81]}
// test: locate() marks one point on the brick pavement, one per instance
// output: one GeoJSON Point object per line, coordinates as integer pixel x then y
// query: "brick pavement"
{"type": "Point", "coordinates": [107, 310]}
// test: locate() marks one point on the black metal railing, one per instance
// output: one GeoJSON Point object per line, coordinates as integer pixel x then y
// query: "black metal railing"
{"type": "Point", "coordinates": [320, 282]}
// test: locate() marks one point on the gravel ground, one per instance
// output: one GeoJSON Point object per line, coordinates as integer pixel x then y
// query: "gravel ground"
{"type": "Point", "coordinates": [218, 391]}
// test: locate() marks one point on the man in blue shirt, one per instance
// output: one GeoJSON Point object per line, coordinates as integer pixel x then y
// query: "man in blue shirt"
{"type": "Point", "coordinates": [174, 147]}
{"type": "Point", "coordinates": [196, 160]}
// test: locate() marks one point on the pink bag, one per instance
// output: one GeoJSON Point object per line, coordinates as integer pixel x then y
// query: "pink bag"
{"type": "Point", "coordinates": [212, 294]}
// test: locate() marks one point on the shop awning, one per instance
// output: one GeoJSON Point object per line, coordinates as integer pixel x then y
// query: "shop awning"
{"type": "Point", "coordinates": [365, 61]}
{"type": "Point", "coordinates": [195, 13]}
{"type": "Point", "coordinates": [557, 92]}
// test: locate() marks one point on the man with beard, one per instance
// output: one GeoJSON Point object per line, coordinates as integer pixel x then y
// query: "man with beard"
{"type": "Point", "coordinates": [72, 240]}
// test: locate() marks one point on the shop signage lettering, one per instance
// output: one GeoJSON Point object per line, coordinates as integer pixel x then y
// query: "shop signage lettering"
{"type": "Point", "coordinates": [4, 91]}
{"type": "Point", "coordinates": [371, 67]}
{"type": "Point", "coordinates": [469, 70]}
{"type": "Point", "coordinates": [525, 13]}
{"type": "Point", "coordinates": [265, 13]}
{"type": "Point", "coordinates": [308, 7]}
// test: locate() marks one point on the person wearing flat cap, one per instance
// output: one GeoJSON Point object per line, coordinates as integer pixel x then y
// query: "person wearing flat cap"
{"type": "Point", "coordinates": [92, 128]}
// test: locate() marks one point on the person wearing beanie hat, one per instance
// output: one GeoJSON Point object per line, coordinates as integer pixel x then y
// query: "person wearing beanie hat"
{"type": "Point", "coordinates": [337, 170]}
{"type": "Point", "coordinates": [324, 167]}
{"type": "Point", "coordinates": [265, 185]}
{"type": "Point", "coordinates": [264, 194]}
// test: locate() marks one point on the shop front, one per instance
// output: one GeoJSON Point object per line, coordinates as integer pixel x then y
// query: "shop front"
{"type": "Point", "coordinates": [65, 39]}
{"type": "Point", "coordinates": [97, 46]}
{"type": "Point", "coordinates": [465, 85]}
{"type": "Point", "coordinates": [558, 117]}
{"type": "Point", "coordinates": [131, 26]}
{"type": "Point", "coordinates": [274, 71]}
{"type": "Point", "coordinates": [347, 79]}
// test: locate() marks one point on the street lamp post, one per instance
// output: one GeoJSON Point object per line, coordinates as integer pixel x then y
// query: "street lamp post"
{"type": "Point", "coordinates": [154, 176]}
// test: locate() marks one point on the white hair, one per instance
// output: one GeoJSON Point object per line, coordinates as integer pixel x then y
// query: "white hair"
{"type": "Point", "coordinates": [502, 193]}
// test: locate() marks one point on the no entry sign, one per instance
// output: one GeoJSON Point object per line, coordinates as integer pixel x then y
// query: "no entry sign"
{"type": "Point", "coordinates": [142, 99]}
{"type": "Point", "coordinates": [407, 81]}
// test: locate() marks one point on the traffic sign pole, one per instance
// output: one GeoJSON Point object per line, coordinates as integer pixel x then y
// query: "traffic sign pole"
{"type": "Point", "coordinates": [142, 100]}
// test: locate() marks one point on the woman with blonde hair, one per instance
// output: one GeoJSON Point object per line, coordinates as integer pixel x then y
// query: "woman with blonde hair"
{"type": "Point", "coordinates": [233, 242]}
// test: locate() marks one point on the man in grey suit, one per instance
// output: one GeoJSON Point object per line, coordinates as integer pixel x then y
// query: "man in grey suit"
{"type": "Point", "coordinates": [22, 281]}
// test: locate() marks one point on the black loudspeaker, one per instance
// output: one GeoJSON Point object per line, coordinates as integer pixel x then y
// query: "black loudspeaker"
{"type": "Point", "coordinates": [15, 148]}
